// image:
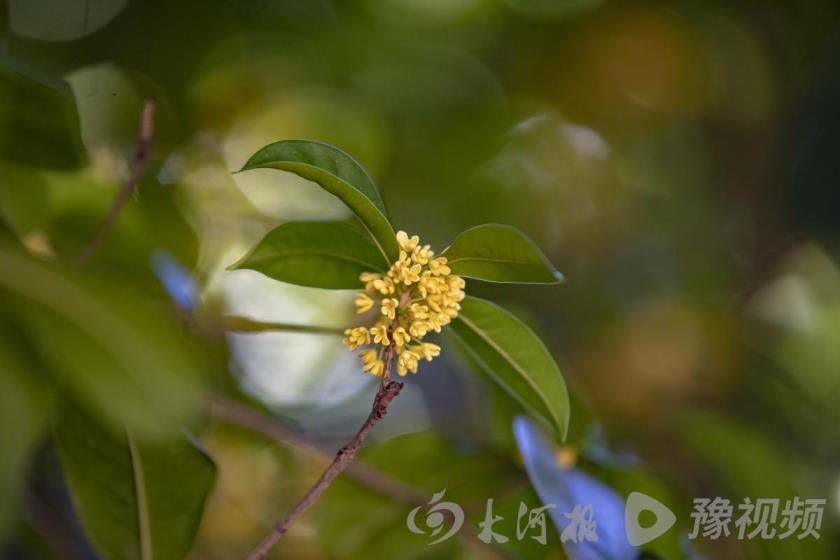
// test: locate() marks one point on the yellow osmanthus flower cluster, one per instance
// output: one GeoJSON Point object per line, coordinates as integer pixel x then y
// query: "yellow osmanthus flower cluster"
{"type": "Point", "coordinates": [418, 294]}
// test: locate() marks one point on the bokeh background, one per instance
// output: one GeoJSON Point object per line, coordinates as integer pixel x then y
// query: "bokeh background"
{"type": "Point", "coordinates": [678, 162]}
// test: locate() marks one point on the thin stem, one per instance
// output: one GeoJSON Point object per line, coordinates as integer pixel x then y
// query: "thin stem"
{"type": "Point", "coordinates": [388, 391]}
{"type": "Point", "coordinates": [138, 165]}
{"type": "Point", "coordinates": [244, 324]}
{"type": "Point", "coordinates": [238, 414]}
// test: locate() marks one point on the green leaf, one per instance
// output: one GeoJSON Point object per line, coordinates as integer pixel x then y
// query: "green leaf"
{"type": "Point", "coordinates": [500, 253]}
{"type": "Point", "coordinates": [23, 410]}
{"type": "Point", "coordinates": [317, 254]}
{"type": "Point", "coordinates": [40, 123]}
{"type": "Point", "coordinates": [117, 351]}
{"type": "Point", "coordinates": [515, 358]}
{"type": "Point", "coordinates": [135, 500]}
{"type": "Point", "coordinates": [24, 199]}
{"type": "Point", "coordinates": [340, 175]}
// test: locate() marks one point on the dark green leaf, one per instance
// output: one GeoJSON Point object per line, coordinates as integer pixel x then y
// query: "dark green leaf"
{"type": "Point", "coordinates": [316, 254]}
{"type": "Point", "coordinates": [117, 352]}
{"type": "Point", "coordinates": [340, 175]}
{"type": "Point", "coordinates": [40, 124]}
{"type": "Point", "coordinates": [23, 198]}
{"type": "Point", "coordinates": [515, 358]}
{"type": "Point", "coordinates": [500, 253]}
{"type": "Point", "coordinates": [135, 500]}
{"type": "Point", "coordinates": [23, 406]}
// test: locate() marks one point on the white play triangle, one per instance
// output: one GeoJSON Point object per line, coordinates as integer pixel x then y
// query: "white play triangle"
{"type": "Point", "coordinates": [636, 504]}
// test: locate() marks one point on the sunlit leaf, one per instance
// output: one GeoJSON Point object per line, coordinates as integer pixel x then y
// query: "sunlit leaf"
{"type": "Point", "coordinates": [119, 354]}
{"type": "Point", "coordinates": [337, 173]}
{"type": "Point", "coordinates": [515, 358]}
{"type": "Point", "coordinates": [135, 500]}
{"type": "Point", "coordinates": [500, 253]}
{"type": "Point", "coordinates": [316, 254]}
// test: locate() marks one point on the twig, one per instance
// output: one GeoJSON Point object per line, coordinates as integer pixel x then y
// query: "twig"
{"type": "Point", "coordinates": [238, 414]}
{"type": "Point", "coordinates": [138, 165]}
{"type": "Point", "coordinates": [388, 391]}
{"type": "Point", "coordinates": [241, 415]}
{"type": "Point", "coordinates": [244, 324]}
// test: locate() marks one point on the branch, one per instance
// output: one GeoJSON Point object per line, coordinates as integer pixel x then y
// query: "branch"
{"type": "Point", "coordinates": [138, 165]}
{"type": "Point", "coordinates": [243, 416]}
{"type": "Point", "coordinates": [388, 391]}
{"type": "Point", "coordinates": [238, 414]}
{"type": "Point", "coordinates": [244, 324]}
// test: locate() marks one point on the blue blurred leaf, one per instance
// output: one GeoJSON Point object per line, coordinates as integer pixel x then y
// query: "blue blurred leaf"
{"type": "Point", "coordinates": [567, 488]}
{"type": "Point", "coordinates": [177, 280]}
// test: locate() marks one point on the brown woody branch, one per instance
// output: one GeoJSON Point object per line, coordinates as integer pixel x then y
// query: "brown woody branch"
{"type": "Point", "coordinates": [388, 391]}
{"type": "Point", "coordinates": [238, 414]}
{"type": "Point", "coordinates": [138, 165]}
{"type": "Point", "coordinates": [243, 416]}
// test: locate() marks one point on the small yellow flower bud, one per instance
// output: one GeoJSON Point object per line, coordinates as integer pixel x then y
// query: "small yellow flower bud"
{"type": "Point", "coordinates": [418, 329]}
{"type": "Point", "coordinates": [368, 358]}
{"type": "Point", "coordinates": [410, 274]}
{"type": "Point", "coordinates": [406, 362]}
{"type": "Point", "coordinates": [375, 367]}
{"type": "Point", "coordinates": [380, 334]}
{"type": "Point", "coordinates": [427, 350]}
{"type": "Point", "coordinates": [389, 307]}
{"type": "Point", "coordinates": [357, 336]}
{"type": "Point", "coordinates": [368, 278]}
{"type": "Point", "coordinates": [384, 286]}
{"type": "Point", "coordinates": [364, 303]}
{"type": "Point", "coordinates": [438, 266]}
{"type": "Point", "coordinates": [422, 255]}
{"type": "Point", "coordinates": [400, 336]}
{"type": "Point", "coordinates": [407, 243]}
{"type": "Point", "coordinates": [419, 311]}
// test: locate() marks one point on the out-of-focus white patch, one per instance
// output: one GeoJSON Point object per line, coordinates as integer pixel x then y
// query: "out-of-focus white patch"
{"type": "Point", "coordinates": [408, 413]}
{"type": "Point", "coordinates": [311, 378]}
{"type": "Point", "coordinates": [282, 368]}
{"type": "Point", "coordinates": [585, 141]}
{"type": "Point", "coordinates": [803, 294]}
{"type": "Point", "coordinates": [109, 107]}
{"type": "Point", "coordinates": [787, 302]}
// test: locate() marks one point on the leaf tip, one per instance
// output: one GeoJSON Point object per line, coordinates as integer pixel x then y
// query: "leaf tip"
{"type": "Point", "coordinates": [239, 263]}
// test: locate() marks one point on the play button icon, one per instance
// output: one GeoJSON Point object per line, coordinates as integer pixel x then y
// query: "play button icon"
{"type": "Point", "coordinates": [636, 504]}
